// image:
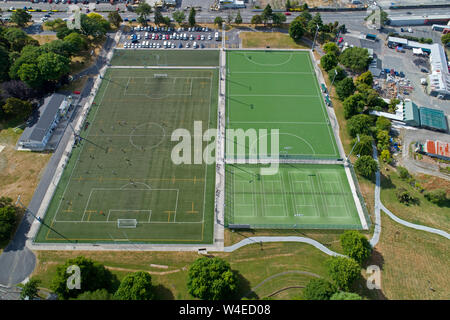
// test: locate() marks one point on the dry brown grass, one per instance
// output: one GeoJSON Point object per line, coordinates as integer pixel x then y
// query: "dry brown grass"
{"type": "Point", "coordinates": [20, 171]}
{"type": "Point", "coordinates": [44, 38]}
{"type": "Point", "coordinates": [273, 39]}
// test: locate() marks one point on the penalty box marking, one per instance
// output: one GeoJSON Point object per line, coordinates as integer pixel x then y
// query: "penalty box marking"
{"type": "Point", "coordinates": [131, 190]}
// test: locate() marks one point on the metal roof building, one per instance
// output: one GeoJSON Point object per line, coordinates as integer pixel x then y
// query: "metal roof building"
{"type": "Point", "coordinates": [433, 119]}
{"type": "Point", "coordinates": [35, 138]}
{"type": "Point", "coordinates": [411, 115]}
{"type": "Point", "coordinates": [438, 149]}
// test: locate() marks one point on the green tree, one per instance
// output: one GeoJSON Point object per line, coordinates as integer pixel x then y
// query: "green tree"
{"type": "Point", "coordinates": [93, 25]}
{"type": "Point", "coordinates": [356, 246]}
{"type": "Point", "coordinates": [383, 140]}
{"type": "Point", "coordinates": [256, 19]}
{"type": "Point", "coordinates": [366, 166]}
{"type": "Point", "coordinates": [360, 124]}
{"type": "Point", "coordinates": [7, 218]}
{"type": "Point", "coordinates": [211, 279]}
{"type": "Point", "coordinates": [383, 123]}
{"type": "Point", "coordinates": [77, 42]}
{"type": "Point", "coordinates": [296, 30]}
{"type": "Point", "coordinates": [405, 197]}
{"type": "Point", "coordinates": [4, 64]}
{"type": "Point", "coordinates": [93, 275]}
{"type": "Point", "coordinates": [385, 156]}
{"type": "Point", "coordinates": [267, 14]}
{"type": "Point", "coordinates": [345, 88]}
{"type": "Point", "coordinates": [59, 47]}
{"type": "Point", "coordinates": [445, 39]}
{"type": "Point", "coordinates": [319, 289]}
{"type": "Point", "coordinates": [403, 173]}
{"type": "Point", "coordinates": [179, 16]}
{"type": "Point", "coordinates": [159, 19]}
{"type": "Point", "coordinates": [278, 19]}
{"type": "Point", "coordinates": [30, 74]}
{"type": "Point", "coordinates": [17, 108]}
{"type": "Point", "coordinates": [437, 196]}
{"type": "Point", "coordinates": [331, 47]}
{"type": "Point", "coordinates": [288, 5]}
{"type": "Point", "coordinates": [356, 58]}
{"type": "Point", "coordinates": [191, 18]}
{"type": "Point", "coordinates": [238, 19]}
{"type": "Point", "coordinates": [53, 66]}
{"type": "Point", "coordinates": [366, 78]}
{"type": "Point", "coordinates": [218, 21]}
{"type": "Point", "coordinates": [17, 38]}
{"type": "Point", "coordinates": [100, 294]}
{"type": "Point", "coordinates": [344, 271]}
{"type": "Point", "coordinates": [20, 17]}
{"type": "Point", "coordinates": [345, 296]}
{"type": "Point", "coordinates": [63, 32]}
{"type": "Point", "coordinates": [135, 286]}
{"type": "Point", "coordinates": [144, 10]}
{"type": "Point", "coordinates": [364, 146]}
{"type": "Point", "coordinates": [328, 61]}
{"type": "Point", "coordinates": [353, 105]}
{"type": "Point", "coordinates": [115, 19]}
{"type": "Point", "coordinates": [337, 74]}
{"type": "Point", "coordinates": [315, 22]}
{"type": "Point", "coordinates": [30, 290]}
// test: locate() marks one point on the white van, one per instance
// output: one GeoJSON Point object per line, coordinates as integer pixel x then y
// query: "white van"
{"type": "Point", "coordinates": [216, 36]}
{"type": "Point", "coordinates": [146, 35]}
{"type": "Point", "coordinates": [165, 44]}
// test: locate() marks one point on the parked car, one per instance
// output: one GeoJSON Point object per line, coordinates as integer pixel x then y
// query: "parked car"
{"type": "Point", "coordinates": [287, 13]}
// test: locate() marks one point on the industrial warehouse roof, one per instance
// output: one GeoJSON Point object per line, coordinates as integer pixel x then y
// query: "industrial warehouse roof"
{"type": "Point", "coordinates": [432, 118]}
{"type": "Point", "coordinates": [438, 147]}
{"type": "Point", "coordinates": [411, 112]}
{"type": "Point", "coordinates": [47, 114]}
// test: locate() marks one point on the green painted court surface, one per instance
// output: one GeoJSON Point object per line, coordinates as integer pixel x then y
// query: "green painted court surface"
{"type": "Point", "coordinates": [298, 196]}
{"type": "Point", "coordinates": [279, 90]}
{"type": "Point", "coordinates": [123, 170]}
{"type": "Point", "coordinates": [165, 58]}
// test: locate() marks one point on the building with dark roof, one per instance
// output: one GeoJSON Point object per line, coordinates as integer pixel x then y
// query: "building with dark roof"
{"type": "Point", "coordinates": [411, 115]}
{"type": "Point", "coordinates": [35, 138]}
{"type": "Point", "coordinates": [433, 119]}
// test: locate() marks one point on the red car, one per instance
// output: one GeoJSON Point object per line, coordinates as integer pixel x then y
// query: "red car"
{"type": "Point", "coordinates": [340, 40]}
{"type": "Point", "coordinates": [198, 37]}
{"type": "Point", "coordinates": [287, 13]}
{"type": "Point", "coordinates": [76, 92]}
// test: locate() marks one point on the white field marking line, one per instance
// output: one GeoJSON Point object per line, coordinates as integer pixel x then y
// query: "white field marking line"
{"type": "Point", "coordinates": [293, 194]}
{"type": "Point", "coordinates": [176, 207]}
{"type": "Point", "coordinates": [126, 210]}
{"type": "Point", "coordinates": [322, 193]}
{"type": "Point", "coordinates": [269, 72]}
{"type": "Point", "coordinates": [273, 95]}
{"type": "Point", "coordinates": [82, 148]}
{"type": "Point", "coordinates": [286, 213]}
{"type": "Point", "coordinates": [151, 222]}
{"type": "Point", "coordinates": [347, 211]}
{"type": "Point", "coordinates": [149, 216]}
{"type": "Point", "coordinates": [316, 85]}
{"type": "Point", "coordinates": [270, 64]}
{"type": "Point", "coordinates": [293, 135]}
{"type": "Point", "coordinates": [206, 166]}
{"type": "Point", "coordinates": [316, 204]}
{"type": "Point", "coordinates": [87, 203]}
{"type": "Point", "coordinates": [281, 122]}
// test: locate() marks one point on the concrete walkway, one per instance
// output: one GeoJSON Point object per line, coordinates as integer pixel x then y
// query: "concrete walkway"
{"type": "Point", "coordinates": [260, 240]}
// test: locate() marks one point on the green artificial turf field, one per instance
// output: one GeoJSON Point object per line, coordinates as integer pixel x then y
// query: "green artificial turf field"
{"type": "Point", "coordinates": [278, 90]}
{"type": "Point", "coordinates": [122, 169]}
{"type": "Point", "coordinates": [304, 196]}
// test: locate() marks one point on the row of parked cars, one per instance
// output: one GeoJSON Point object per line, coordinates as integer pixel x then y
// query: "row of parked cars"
{"type": "Point", "coordinates": [170, 29]}
{"type": "Point", "coordinates": [159, 45]}
{"type": "Point", "coordinates": [173, 36]}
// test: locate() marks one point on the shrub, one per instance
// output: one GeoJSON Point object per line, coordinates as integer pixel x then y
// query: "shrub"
{"type": "Point", "coordinates": [356, 246]}
{"type": "Point", "coordinates": [344, 271]}
{"type": "Point", "coordinates": [366, 166]}
{"type": "Point", "coordinates": [405, 197]}
{"type": "Point", "coordinates": [403, 173]}
{"type": "Point", "coordinates": [319, 289]}
{"type": "Point", "coordinates": [437, 196]}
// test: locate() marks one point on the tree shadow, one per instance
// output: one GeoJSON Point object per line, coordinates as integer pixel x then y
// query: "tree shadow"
{"type": "Point", "coordinates": [163, 293]}
{"type": "Point", "coordinates": [385, 180]}
{"type": "Point", "coordinates": [361, 285]}
{"type": "Point", "coordinates": [244, 289]}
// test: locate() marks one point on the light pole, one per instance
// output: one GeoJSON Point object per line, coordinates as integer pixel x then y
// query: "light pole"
{"type": "Point", "coordinates": [39, 219]}
{"type": "Point", "coordinates": [348, 157]}
{"type": "Point", "coordinates": [335, 74]}
{"type": "Point", "coordinates": [315, 35]}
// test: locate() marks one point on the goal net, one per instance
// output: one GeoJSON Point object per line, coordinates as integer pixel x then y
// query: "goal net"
{"type": "Point", "coordinates": [126, 223]}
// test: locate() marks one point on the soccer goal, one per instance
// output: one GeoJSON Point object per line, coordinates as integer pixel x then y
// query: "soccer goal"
{"type": "Point", "coordinates": [126, 223]}
{"type": "Point", "coordinates": [160, 75]}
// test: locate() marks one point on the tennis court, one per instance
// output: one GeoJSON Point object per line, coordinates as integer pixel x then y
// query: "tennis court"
{"type": "Point", "coordinates": [304, 196]}
{"type": "Point", "coordinates": [120, 183]}
{"type": "Point", "coordinates": [278, 90]}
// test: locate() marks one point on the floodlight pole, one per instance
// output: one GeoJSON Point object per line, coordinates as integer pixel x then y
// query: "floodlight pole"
{"type": "Point", "coordinates": [357, 141]}
{"type": "Point", "coordinates": [315, 35]}
{"type": "Point", "coordinates": [335, 74]}
{"type": "Point", "coordinates": [39, 219]}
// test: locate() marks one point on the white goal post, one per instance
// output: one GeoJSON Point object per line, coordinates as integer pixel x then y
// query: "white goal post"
{"type": "Point", "coordinates": [126, 223]}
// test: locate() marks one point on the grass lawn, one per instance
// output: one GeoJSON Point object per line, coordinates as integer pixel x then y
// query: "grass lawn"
{"type": "Point", "coordinates": [426, 213]}
{"type": "Point", "coordinates": [252, 263]}
{"type": "Point", "coordinates": [273, 39]}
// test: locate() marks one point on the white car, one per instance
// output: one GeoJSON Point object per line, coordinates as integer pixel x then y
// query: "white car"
{"type": "Point", "coordinates": [187, 45]}
{"type": "Point", "coordinates": [194, 45]}
{"type": "Point", "coordinates": [202, 37]}
{"type": "Point", "coordinates": [209, 37]}
{"type": "Point", "coordinates": [173, 45]}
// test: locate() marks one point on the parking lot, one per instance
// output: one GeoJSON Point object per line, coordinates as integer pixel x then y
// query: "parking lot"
{"type": "Point", "coordinates": [169, 37]}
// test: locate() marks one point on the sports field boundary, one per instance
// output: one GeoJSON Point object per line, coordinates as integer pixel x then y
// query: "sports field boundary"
{"type": "Point", "coordinates": [163, 67]}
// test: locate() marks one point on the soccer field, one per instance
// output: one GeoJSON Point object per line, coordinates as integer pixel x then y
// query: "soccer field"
{"type": "Point", "coordinates": [278, 90]}
{"type": "Point", "coordinates": [122, 169]}
{"type": "Point", "coordinates": [298, 196]}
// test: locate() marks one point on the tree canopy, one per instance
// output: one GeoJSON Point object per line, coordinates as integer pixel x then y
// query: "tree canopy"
{"type": "Point", "coordinates": [344, 271]}
{"type": "Point", "coordinates": [211, 279]}
{"type": "Point", "coordinates": [366, 166]}
{"type": "Point", "coordinates": [16, 108]}
{"type": "Point", "coordinates": [328, 61]}
{"type": "Point", "coordinates": [20, 17]}
{"type": "Point", "coordinates": [93, 276]}
{"type": "Point", "coordinates": [115, 19]}
{"type": "Point", "coordinates": [331, 47]}
{"type": "Point", "coordinates": [356, 246]}
{"type": "Point", "coordinates": [359, 124]}
{"type": "Point", "coordinates": [337, 74]}
{"type": "Point", "coordinates": [218, 21]}
{"type": "Point", "coordinates": [7, 218]}
{"type": "Point", "coordinates": [256, 19]}
{"type": "Point", "coordinates": [93, 24]}
{"type": "Point", "coordinates": [100, 294]}
{"type": "Point", "coordinates": [383, 123]}
{"type": "Point", "coordinates": [267, 14]}
{"type": "Point", "coordinates": [366, 78]}
{"type": "Point", "coordinates": [179, 16]}
{"type": "Point", "coordinates": [356, 59]}
{"type": "Point", "coordinates": [238, 19]}
{"type": "Point", "coordinates": [345, 88]}
{"type": "Point", "coordinates": [342, 295]}
{"type": "Point", "coordinates": [364, 146]}
{"type": "Point", "coordinates": [191, 18]}
{"type": "Point", "coordinates": [30, 289]}
{"type": "Point", "coordinates": [353, 105]}
{"type": "Point", "coordinates": [296, 30]}
{"type": "Point", "coordinates": [319, 289]}
{"type": "Point", "coordinates": [135, 286]}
